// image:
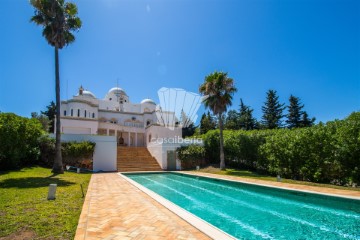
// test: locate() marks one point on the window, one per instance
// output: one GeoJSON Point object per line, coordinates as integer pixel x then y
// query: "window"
{"type": "Point", "coordinates": [147, 123]}
{"type": "Point", "coordinates": [72, 112]}
{"type": "Point", "coordinates": [64, 112]}
{"type": "Point", "coordinates": [93, 115]}
{"type": "Point", "coordinates": [85, 113]}
{"type": "Point", "coordinates": [78, 113]}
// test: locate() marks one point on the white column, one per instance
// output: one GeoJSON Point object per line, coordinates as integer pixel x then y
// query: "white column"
{"type": "Point", "coordinates": [107, 132]}
{"type": "Point", "coordinates": [129, 143]}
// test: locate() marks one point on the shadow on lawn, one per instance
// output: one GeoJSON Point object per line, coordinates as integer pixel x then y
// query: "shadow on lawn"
{"type": "Point", "coordinates": [33, 182]}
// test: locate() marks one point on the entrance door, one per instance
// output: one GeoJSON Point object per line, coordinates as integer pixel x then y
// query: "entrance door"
{"type": "Point", "coordinates": [171, 160]}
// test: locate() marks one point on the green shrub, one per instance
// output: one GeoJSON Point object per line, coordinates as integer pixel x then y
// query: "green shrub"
{"type": "Point", "coordinates": [191, 156]}
{"type": "Point", "coordinates": [326, 153]}
{"type": "Point", "coordinates": [72, 152]}
{"type": "Point", "coordinates": [19, 140]}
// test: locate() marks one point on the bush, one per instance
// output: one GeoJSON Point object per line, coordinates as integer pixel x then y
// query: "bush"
{"type": "Point", "coordinates": [241, 148]}
{"type": "Point", "coordinates": [19, 139]}
{"type": "Point", "coordinates": [73, 153]}
{"type": "Point", "coordinates": [191, 156]}
{"type": "Point", "coordinates": [326, 153]}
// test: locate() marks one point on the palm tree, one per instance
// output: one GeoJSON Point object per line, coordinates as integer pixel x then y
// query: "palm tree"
{"type": "Point", "coordinates": [58, 19]}
{"type": "Point", "coordinates": [218, 89]}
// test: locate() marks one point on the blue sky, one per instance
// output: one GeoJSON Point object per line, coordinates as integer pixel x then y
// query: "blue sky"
{"type": "Point", "coordinates": [310, 49]}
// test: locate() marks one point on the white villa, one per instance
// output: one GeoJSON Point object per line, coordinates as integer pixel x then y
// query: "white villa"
{"type": "Point", "coordinates": [122, 130]}
{"type": "Point", "coordinates": [133, 124]}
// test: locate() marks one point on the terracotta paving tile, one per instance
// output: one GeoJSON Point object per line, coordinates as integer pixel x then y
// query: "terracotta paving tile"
{"type": "Point", "coordinates": [115, 209]}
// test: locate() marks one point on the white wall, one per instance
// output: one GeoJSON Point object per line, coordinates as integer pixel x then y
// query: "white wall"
{"type": "Point", "coordinates": [163, 140]}
{"type": "Point", "coordinates": [105, 150]}
{"type": "Point", "coordinates": [78, 126]}
{"type": "Point", "coordinates": [159, 152]}
{"type": "Point", "coordinates": [162, 132]}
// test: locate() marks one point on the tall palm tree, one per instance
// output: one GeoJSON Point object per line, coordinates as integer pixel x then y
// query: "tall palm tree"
{"type": "Point", "coordinates": [218, 89]}
{"type": "Point", "coordinates": [58, 19]}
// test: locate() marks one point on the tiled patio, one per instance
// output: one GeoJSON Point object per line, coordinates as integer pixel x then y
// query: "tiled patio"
{"type": "Point", "coordinates": [115, 209]}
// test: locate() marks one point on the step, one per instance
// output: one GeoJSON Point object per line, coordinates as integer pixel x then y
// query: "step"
{"type": "Point", "coordinates": [136, 159]}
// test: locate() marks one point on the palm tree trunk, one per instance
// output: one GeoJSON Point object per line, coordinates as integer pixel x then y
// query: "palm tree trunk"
{"type": "Point", "coordinates": [222, 158]}
{"type": "Point", "coordinates": [58, 165]}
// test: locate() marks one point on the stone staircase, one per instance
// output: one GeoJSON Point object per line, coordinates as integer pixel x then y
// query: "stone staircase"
{"type": "Point", "coordinates": [131, 159]}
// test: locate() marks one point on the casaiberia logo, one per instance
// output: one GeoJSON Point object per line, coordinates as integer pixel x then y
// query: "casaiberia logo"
{"type": "Point", "coordinates": [177, 108]}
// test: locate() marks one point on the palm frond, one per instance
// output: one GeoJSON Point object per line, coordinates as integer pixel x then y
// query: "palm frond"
{"type": "Point", "coordinates": [38, 19]}
{"type": "Point", "coordinates": [58, 20]}
{"type": "Point", "coordinates": [71, 9]}
{"type": "Point", "coordinates": [218, 88]}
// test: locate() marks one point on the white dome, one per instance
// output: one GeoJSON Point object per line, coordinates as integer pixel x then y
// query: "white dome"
{"type": "Point", "coordinates": [117, 90]}
{"type": "Point", "coordinates": [147, 100]}
{"type": "Point", "coordinates": [88, 94]}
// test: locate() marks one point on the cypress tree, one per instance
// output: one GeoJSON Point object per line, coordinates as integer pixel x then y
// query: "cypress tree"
{"type": "Point", "coordinates": [294, 112]}
{"type": "Point", "coordinates": [50, 113]}
{"type": "Point", "coordinates": [246, 119]}
{"type": "Point", "coordinates": [272, 111]}
{"type": "Point", "coordinates": [306, 121]}
{"type": "Point", "coordinates": [232, 120]}
{"type": "Point", "coordinates": [206, 123]}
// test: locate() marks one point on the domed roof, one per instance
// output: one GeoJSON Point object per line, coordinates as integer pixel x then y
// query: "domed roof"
{"type": "Point", "coordinates": [88, 94]}
{"type": "Point", "coordinates": [117, 90]}
{"type": "Point", "coordinates": [147, 100]}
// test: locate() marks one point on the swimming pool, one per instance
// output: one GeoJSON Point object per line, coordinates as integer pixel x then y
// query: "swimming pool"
{"type": "Point", "coordinates": [248, 211]}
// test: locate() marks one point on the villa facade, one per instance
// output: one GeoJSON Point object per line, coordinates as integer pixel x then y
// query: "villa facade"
{"type": "Point", "coordinates": [133, 124]}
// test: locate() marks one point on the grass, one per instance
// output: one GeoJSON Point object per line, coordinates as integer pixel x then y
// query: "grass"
{"type": "Point", "coordinates": [254, 175]}
{"type": "Point", "coordinates": [25, 210]}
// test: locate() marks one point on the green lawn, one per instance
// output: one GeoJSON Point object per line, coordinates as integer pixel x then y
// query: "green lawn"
{"type": "Point", "coordinates": [254, 175]}
{"type": "Point", "coordinates": [25, 210]}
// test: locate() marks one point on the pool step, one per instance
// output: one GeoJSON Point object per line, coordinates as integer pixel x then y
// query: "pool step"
{"type": "Point", "coordinates": [130, 159]}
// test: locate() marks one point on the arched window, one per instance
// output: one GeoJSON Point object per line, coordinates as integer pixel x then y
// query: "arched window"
{"type": "Point", "coordinates": [148, 122]}
{"type": "Point", "coordinates": [85, 113]}
{"type": "Point", "coordinates": [64, 112]}
{"type": "Point", "coordinates": [78, 113]}
{"type": "Point", "coordinates": [72, 112]}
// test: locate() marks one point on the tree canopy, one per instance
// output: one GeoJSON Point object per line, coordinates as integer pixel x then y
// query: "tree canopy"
{"type": "Point", "coordinates": [272, 111]}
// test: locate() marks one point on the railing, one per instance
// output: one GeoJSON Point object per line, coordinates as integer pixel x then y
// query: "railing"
{"type": "Point", "coordinates": [126, 124]}
{"type": "Point", "coordinates": [132, 124]}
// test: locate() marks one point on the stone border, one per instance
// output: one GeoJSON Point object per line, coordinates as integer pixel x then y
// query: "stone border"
{"type": "Point", "coordinates": [203, 226]}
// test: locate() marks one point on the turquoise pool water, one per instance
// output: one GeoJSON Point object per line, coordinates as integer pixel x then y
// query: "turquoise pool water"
{"type": "Point", "coordinates": [253, 212]}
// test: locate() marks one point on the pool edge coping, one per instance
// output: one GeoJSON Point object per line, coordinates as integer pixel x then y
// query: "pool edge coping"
{"type": "Point", "coordinates": [270, 186]}
{"type": "Point", "coordinates": [203, 226]}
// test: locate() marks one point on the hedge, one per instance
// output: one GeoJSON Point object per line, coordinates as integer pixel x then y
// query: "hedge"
{"type": "Point", "coordinates": [19, 141]}
{"type": "Point", "coordinates": [326, 153]}
{"type": "Point", "coordinates": [191, 156]}
{"type": "Point", "coordinates": [73, 153]}
{"type": "Point", "coordinates": [23, 142]}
